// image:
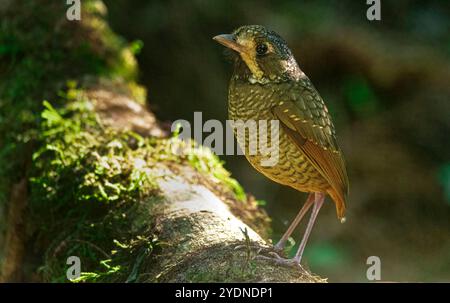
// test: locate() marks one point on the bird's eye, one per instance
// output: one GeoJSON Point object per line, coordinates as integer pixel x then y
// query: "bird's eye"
{"type": "Point", "coordinates": [261, 49]}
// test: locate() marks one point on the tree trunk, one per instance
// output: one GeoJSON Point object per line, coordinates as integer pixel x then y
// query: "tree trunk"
{"type": "Point", "coordinates": [105, 183]}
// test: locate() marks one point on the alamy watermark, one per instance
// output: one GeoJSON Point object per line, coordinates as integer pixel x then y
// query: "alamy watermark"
{"type": "Point", "coordinates": [74, 270]}
{"type": "Point", "coordinates": [259, 138]}
{"type": "Point", "coordinates": [73, 12]}
{"type": "Point", "coordinates": [374, 10]}
{"type": "Point", "coordinates": [373, 272]}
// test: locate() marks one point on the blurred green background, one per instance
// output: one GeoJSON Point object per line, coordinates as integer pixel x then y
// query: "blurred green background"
{"type": "Point", "coordinates": [387, 85]}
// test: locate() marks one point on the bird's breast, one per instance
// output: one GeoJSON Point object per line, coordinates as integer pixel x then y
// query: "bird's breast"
{"type": "Point", "coordinates": [248, 102]}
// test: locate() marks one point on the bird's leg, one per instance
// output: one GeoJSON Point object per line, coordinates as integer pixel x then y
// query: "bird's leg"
{"type": "Point", "coordinates": [318, 202]}
{"type": "Point", "coordinates": [282, 243]}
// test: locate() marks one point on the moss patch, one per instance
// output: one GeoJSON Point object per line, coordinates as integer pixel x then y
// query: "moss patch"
{"type": "Point", "coordinates": [92, 183]}
{"type": "Point", "coordinates": [39, 52]}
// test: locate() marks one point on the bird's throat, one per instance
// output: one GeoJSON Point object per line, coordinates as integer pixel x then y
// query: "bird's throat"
{"type": "Point", "coordinates": [252, 65]}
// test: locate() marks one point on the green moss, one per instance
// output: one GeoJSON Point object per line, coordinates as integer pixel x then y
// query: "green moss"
{"type": "Point", "coordinates": [91, 182]}
{"type": "Point", "coordinates": [206, 162]}
{"type": "Point", "coordinates": [40, 51]}
{"type": "Point", "coordinates": [36, 60]}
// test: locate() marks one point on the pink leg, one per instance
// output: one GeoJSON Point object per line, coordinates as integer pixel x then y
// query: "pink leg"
{"type": "Point", "coordinates": [309, 201]}
{"type": "Point", "coordinates": [319, 199]}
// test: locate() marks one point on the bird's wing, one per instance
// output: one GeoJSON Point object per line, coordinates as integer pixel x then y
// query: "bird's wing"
{"type": "Point", "coordinates": [304, 117]}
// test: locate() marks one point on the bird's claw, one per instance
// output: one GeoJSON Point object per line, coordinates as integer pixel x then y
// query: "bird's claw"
{"type": "Point", "coordinates": [273, 255]}
{"type": "Point", "coordinates": [279, 260]}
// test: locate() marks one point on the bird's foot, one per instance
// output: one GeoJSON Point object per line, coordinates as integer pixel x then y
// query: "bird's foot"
{"type": "Point", "coordinates": [280, 260]}
{"type": "Point", "coordinates": [269, 254]}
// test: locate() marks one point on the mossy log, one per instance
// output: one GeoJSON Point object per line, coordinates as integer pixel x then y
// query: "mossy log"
{"type": "Point", "coordinates": [90, 172]}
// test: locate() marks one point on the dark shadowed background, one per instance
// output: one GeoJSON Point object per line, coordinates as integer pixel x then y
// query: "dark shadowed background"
{"type": "Point", "coordinates": [387, 85]}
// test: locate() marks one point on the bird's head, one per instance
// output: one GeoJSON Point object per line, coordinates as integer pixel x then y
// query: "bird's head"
{"type": "Point", "coordinates": [262, 54]}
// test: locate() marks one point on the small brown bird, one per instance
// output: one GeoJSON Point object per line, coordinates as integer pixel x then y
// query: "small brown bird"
{"type": "Point", "coordinates": [268, 84]}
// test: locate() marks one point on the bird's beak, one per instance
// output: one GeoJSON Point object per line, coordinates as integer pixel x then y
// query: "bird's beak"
{"type": "Point", "coordinates": [229, 40]}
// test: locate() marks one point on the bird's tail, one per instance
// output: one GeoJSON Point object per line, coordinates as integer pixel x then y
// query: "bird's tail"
{"type": "Point", "coordinates": [339, 200]}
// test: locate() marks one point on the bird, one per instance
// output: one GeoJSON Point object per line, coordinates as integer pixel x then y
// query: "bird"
{"type": "Point", "coordinates": [268, 84]}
